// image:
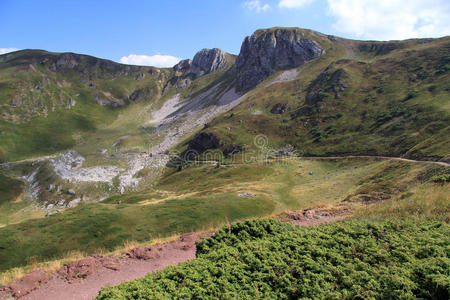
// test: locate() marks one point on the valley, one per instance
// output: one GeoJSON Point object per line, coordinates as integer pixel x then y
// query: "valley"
{"type": "Point", "coordinates": [96, 154]}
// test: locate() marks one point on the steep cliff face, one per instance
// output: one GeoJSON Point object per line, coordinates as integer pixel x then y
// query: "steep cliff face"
{"type": "Point", "coordinates": [267, 51]}
{"type": "Point", "coordinates": [208, 61]}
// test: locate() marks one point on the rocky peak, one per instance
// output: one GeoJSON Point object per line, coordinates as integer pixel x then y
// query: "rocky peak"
{"type": "Point", "coordinates": [270, 50]}
{"type": "Point", "coordinates": [183, 66]}
{"type": "Point", "coordinates": [208, 61]}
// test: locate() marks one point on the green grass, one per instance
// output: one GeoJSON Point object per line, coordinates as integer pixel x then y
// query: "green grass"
{"type": "Point", "coordinates": [202, 197]}
{"type": "Point", "coordinates": [265, 259]}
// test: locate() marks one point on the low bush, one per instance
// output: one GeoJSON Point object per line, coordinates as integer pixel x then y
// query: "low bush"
{"type": "Point", "coordinates": [441, 178]}
{"type": "Point", "coordinates": [267, 259]}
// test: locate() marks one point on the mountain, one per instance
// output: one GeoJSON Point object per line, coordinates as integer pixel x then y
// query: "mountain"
{"type": "Point", "coordinates": [348, 97]}
{"type": "Point", "coordinates": [90, 143]}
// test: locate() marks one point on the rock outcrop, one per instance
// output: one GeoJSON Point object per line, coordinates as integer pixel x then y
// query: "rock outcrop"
{"type": "Point", "coordinates": [280, 108]}
{"type": "Point", "coordinates": [208, 61]}
{"type": "Point", "coordinates": [204, 141]}
{"type": "Point", "coordinates": [183, 67]}
{"type": "Point", "coordinates": [267, 51]}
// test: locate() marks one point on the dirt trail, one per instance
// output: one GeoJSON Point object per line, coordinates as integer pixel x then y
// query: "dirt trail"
{"type": "Point", "coordinates": [440, 163]}
{"type": "Point", "coordinates": [84, 279]}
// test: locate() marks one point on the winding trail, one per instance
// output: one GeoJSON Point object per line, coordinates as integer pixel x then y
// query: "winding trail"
{"type": "Point", "coordinates": [440, 163]}
{"type": "Point", "coordinates": [134, 264]}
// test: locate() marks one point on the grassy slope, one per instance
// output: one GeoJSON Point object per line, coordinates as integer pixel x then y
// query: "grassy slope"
{"type": "Point", "coordinates": [202, 197]}
{"type": "Point", "coordinates": [395, 104]}
{"type": "Point", "coordinates": [45, 122]}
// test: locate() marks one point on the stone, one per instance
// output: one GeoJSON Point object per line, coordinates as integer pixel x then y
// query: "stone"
{"type": "Point", "coordinates": [286, 150]}
{"type": "Point", "coordinates": [104, 101]}
{"type": "Point", "coordinates": [70, 192]}
{"type": "Point", "coordinates": [73, 203]}
{"type": "Point", "coordinates": [246, 195]}
{"type": "Point", "coordinates": [267, 51]}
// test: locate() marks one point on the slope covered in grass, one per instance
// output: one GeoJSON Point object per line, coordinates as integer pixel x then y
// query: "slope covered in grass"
{"type": "Point", "coordinates": [203, 197]}
{"type": "Point", "coordinates": [264, 259]}
{"type": "Point", "coordinates": [358, 98]}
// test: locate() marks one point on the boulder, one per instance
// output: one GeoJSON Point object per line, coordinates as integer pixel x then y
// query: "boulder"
{"type": "Point", "coordinates": [286, 150]}
{"type": "Point", "coordinates": [102, 100]}
{"type": "Point", "coordinates": [270, 50]}
{"type": "Point", "coordinates": [246, 195]}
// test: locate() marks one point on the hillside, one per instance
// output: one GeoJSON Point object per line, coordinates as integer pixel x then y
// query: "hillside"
{"type": "Point", "coordinates": [96, 153]}
{"type": "Point", "coordinates": [359, 98]}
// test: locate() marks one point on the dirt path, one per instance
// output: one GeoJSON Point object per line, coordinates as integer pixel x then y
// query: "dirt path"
{"type": "Point", "coordinates": [84, 279]}
{"type": "Point", "coordinates": [440, 163]}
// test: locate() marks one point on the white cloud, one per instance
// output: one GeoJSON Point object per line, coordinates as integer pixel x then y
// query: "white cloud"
{"type": "Point", "coordinates": [294, 3]}
{"type": "Point", "coordinates": [391, 19]}
{"type": "Point", "coordinates": [257, 6]}
{"type": "Point", "coordinates": [157, 60]}
{"type": "Point", "coordinates": [7, 50]}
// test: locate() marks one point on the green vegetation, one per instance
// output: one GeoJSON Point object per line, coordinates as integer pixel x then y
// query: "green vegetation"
{"type": "Point", "coordinates": [203, 197]}
{"type": "Point", "coordinates": [392, 103]}
{"type": "Point", "coordinates": [50, 102]}
{"type": "Point", "coordinates": [264, 259]}
{"type": "Point", "coordinates": [10, 189]}
{"type": "Point", "coordinates": [441, 178]}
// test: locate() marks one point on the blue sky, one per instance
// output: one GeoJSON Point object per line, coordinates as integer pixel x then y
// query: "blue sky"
{"type": "Point", "coordinates": [136, 31]}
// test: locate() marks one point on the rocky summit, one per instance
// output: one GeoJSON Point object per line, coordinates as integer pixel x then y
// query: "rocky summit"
{"type": "Point", "coordinates": [208, 61]}
{"type": "Point", "coordinates": [267, 51]}
{"type": "Point", "coordinates": [205, 61]}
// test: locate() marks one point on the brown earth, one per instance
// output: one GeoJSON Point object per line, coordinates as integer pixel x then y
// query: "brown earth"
{"type": "Point", "coordinates": [83, 279]}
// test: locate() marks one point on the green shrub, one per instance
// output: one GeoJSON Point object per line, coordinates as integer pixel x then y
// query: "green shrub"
{"type": "Point", "coordinates": [266, 259]}
{"type": "Point", "coordinates": [441, 178]}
